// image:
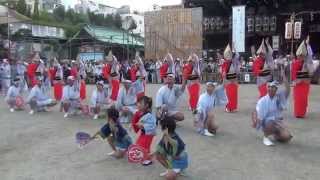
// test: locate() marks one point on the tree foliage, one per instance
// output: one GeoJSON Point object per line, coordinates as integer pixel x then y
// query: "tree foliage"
{"type": "Point", "coordinates": [36, 13]}
{"type": "Point", "coordinates": [22, 7]}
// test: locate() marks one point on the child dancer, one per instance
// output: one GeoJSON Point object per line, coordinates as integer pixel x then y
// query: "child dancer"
{"type": "Point", "coordinates": [171, 150]}
{"type": "Point", "coordinates": [144, 123]}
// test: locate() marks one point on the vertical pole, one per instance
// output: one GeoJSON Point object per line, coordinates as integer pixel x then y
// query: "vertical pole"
{"type": "Point", "coordinates": [292, 33]}
{"type": "Point", "coordinates": [9, 52]}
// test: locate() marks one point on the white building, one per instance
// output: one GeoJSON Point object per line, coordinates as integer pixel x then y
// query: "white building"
{"type": "Point", "coordinates": [98, 8]}
{"type": "Point", "coordinates": [137, 18]}
{"type": "Point", "coordinates": [39, 30]}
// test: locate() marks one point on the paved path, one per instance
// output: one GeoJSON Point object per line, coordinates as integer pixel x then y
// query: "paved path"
{"type": "Point", "coordinates": [42, 147]}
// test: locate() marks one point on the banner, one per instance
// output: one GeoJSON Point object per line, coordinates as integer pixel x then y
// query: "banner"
{"type": "Point", "coordinates": [239, 27]}
{"type": "Point", "coordinates": [275, 43]}
{"type": "Point", "coordinates": [288, 31]}
{"type": "Point", "coordinates": [297, 30]}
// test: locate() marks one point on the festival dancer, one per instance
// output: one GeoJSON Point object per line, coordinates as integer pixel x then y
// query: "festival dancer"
{"type": "Point", "coordinates": [39, 98]}
{"type": "Point", "coordinates": [70, 97]}
{"type": "Point", "coordinates": [99, 99]}
{"type": "Point", "coordinates": [144, 123]}
{"type": "Point", "coordinates": [269, 116]}
{"type": "Point", "coordinates": [56, 77]}
{"type": "Point", "coordinates": [213, 97]}
{"type": "Point", "coordinates": [230, 69]}
{"type": "Point", "coordinates": [301, 71]}
{"type": "Point", "coordinates": [262, 66]}
{"type": "Point", "coordinates": [13, 93]}
{"type": "Point", "coordinates": [111, 75]}
{"type": "Point", "coordinates": [127, 99]}
{"type": "Point", "coordinates": [167, 97]}
{"type": "Point", "coordinates": [171, 150]}
{"type": "Point", "coordinates": [117, 136]}
{"type": "Point", "coordinates": [191, 71]}
{"type": "Point", "coordinates": [79, 73]}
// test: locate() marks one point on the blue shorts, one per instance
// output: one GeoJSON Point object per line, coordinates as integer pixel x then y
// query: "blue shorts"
{"type": "Point", "coordinates": [180, 163]}
{"type": "Point", "coordinates": [124, 144]}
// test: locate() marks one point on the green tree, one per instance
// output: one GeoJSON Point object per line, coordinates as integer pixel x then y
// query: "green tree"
{"type": "Point", "coordinates": [28, 13]}
{"type": "Point", "coordinates": [36, 13]}
{"type": "Point", "coordinates": [22, 7]}
{"type": "Point", "coordinates": [59, 13]}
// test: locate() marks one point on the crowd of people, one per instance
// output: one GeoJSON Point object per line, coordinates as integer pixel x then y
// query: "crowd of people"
{"type": "Point", "coordinates": [35, 80]}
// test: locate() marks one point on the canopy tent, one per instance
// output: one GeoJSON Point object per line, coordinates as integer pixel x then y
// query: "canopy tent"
{"type": "Point", "coordinates": [10, 16]}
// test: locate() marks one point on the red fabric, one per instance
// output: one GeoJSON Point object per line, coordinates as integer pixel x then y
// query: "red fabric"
{"type": "Point", "coordinates": [300, 98]}
{"type": "Point", "coordinates": [31, 71]}
{"type": "Point", "coordinates": [135, 119]}
{"type": "Point", "coordinates": [74, 72]}
{"type": "Point", "coordinates": [52, 73]}
{"type": "Point", "coordinates": [194, 93]}
{"type": "Point", "coordinates": [295, 67]}
{"type": "Point", "coordinates": [232, 94]}
{"type": "Point", "coordinates": [225, 68]}
{"type": "Point", "coordinates": [263, 90]}
{"type": "Point", "coordinates": [106, 71]}
{"type": "Point", "coordinates": [115, 84]}
{"type": "Point", "coordinates": [145, 141]}
{"type": "Point", "coordinates": [133, 73]}
{"type": "Point", "coordinates": [257, 66]}
{"type": "Point", "coordinates": [163, 70]}
{"type": "Point", "coordinates": [57, 90]}
{"type": "Point", "coordinates": [187, 70]}
{"type": "Point", "coordinates": [83, 90]}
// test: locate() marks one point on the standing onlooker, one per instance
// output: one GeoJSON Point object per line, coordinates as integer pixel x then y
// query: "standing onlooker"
{"type": "Point", "coordinates": [158, 65]}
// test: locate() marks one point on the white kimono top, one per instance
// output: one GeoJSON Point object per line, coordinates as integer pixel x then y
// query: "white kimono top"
{"type": "Point", "coordinates": [98, 97]}
{"type": "Point", "coordinates": [129, 98]}
{"type": "Point", "coordinates": [271, 109]}
{"type": "Point", "coordinates": [208, 102]}
{"type": "Point", "coordinates": [39, 93]}
{"type": "Point", "coordinates": [70, 93]}
{"type": "Point", "coordinates": [169, 97]}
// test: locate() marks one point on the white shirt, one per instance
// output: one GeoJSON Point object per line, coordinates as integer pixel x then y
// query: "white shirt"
{"type": "Point", "coordinates": [70, 93]}
{"type": "Point", "coordinates": [207, 102]}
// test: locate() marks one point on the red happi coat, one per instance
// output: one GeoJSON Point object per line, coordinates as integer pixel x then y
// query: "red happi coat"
{"type": "Point", "coordinates": [57, 85]}
{"type": "Point", "coordinates": [257, 68]}
{"type": "Point", "coordinates": [300, 90]}
{"type": "Point", "coordinates": [231, 87]}
{"type": "Point", "coordinates": [193, 86]}
{"type": "Point", "coordinates": [133, 73]}
{"type": "Point", "coordinates": [187, 70]}
{"type": "Point", "coordinates": [31, 72]}
{"type": "Point", "coordinates": [115, 83]}
{"type": "Point", "coordinates": [163, 70]}
{"type": "Point", "coordinates": [74, 72]}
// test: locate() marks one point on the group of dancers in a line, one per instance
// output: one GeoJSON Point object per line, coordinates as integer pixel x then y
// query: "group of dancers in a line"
{"type": "Point", "coordinates": [129, 104]}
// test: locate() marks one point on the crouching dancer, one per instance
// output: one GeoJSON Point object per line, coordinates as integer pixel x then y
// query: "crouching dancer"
{"type": "Point", "coordinates": [269, 116]}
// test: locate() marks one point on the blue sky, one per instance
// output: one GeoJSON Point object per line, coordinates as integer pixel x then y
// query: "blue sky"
{"type": "Point", "coordinates": [140, 5]}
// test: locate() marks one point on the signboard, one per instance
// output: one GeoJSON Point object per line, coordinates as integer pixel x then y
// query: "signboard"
{"type": "Point", "coordinates": [288, 31]}
{"type": "Point", "coordinates": [297, 30]}
{"type": "Point", "coordinates": [238, 27]}
{"type": "Point", "coordinates": [275, 43]}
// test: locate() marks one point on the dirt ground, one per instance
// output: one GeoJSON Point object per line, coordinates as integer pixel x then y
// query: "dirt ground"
{"type": "Point", "coordinates": [42, 147]}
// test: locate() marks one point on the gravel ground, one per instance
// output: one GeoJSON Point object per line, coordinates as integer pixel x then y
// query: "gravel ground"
{"type": "Point", "coordinates": [42, 147]}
